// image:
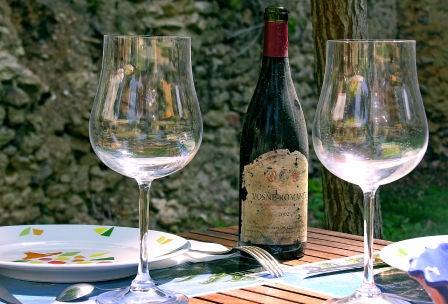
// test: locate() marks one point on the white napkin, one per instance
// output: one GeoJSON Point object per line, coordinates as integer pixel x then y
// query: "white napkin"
{"type": "Point", "coordinates": [198, 252]}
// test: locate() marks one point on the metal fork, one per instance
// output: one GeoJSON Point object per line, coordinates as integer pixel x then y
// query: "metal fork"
{"type": "Point", "coordinates": [264, 258]}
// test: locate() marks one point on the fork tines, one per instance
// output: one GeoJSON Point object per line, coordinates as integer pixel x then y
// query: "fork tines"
{"type": "Point", "coordinates": [264, 258]}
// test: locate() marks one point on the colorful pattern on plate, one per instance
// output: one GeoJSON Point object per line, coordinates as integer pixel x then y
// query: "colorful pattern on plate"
{"type": "Point", "coordinates": [60, 257]}
{"type": "Point", "coordinates": [163, 240]}
{"type": "Point", "coordinates": [32, 231]}
{"type": "Point", "coordinates": [104, 231]}
{"type": "Point", "coordinates": [401, 252]}
{"type": "Point", "coordinates": [72, 257]}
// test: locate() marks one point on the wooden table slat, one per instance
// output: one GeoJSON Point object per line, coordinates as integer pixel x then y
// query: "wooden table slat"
{"type": "Point", "coordinates": [257, 297]}
{"type": "Point", "coordinates": [289, 295]}
{"type": "Point", "coordinates": [342, 235]}
{"type": "Point", "coordinates": [306, 292]}
{"type": "Point", "coordinates": [199, 300]}
{"type": "Point", "coordinates": [230, 230]}
{"type": "Point", "coordinates": [223, 298]}
{"type": "Point", "coordinates": [208, 238]}
{"type": "Point", "coordinates": [217, 234]}
{"type": "Point", "coordinates": [231, 233]}
{"type": "Point", "coordinates": [334, 251]}
{"type": "Point", "coordinates": [342, 243]}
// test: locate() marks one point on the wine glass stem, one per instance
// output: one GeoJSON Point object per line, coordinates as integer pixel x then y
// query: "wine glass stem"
{"type": "Point", "coordinates": [368, 285]}
{"type": "Point", "coordinates": [143, 280]}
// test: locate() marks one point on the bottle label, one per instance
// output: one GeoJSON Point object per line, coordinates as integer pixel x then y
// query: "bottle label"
{"type": "Point", "coordinates": [274, 211]}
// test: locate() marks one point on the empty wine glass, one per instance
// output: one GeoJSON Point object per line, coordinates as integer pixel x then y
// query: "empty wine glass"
{"type": "Point", "coordinates": [370, 128]}
{"type": "Point", "coordinates": [145, 124]}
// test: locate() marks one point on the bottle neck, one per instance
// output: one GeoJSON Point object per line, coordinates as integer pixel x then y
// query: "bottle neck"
{"type": "Point", "coordinates": [275, 39]}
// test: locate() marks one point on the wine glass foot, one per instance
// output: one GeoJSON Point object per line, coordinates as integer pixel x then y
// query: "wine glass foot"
{"type": "Point", "coordinates": [153, 296]}
{"type": "Point", "coordinates": [358, 298]}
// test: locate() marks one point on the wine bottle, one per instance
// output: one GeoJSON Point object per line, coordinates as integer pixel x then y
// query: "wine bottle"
{"type": "Point", "coordinates": [273, 204]}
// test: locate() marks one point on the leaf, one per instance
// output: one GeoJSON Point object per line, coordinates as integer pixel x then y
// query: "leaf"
{"type": "Point", "coordinates": [402, 252]}
{"type": "Point", "coordinates": [25, 231]}
{"type": "Point", "coordinates": [215, 277]}
{"type": "Point", "coordinates": [104, 231]}
{"type": "Point", "coordinates": [187, 278]}
{"type": "Point", "coordinates": [70, 253]}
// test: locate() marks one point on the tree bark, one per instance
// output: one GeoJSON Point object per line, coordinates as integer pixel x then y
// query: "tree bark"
{"type": "Point", "coordinates": [341, 19]}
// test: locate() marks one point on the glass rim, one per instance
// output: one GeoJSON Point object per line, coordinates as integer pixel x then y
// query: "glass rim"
{"type": "Point", "coordinates": [334, 41]}
{"type": "Point", "coordinates": [155, 37]}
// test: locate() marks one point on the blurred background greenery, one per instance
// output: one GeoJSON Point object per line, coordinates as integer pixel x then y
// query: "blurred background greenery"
{"type": "Point", "coordinates": [409, 209]}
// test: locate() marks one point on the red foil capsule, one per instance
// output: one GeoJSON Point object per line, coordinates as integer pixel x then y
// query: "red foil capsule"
{"type": "Point", "coordinates": [275, 39]}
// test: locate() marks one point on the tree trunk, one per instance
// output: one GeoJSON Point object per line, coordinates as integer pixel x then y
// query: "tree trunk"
{"type": "Point", "coordinates": [341, 19]}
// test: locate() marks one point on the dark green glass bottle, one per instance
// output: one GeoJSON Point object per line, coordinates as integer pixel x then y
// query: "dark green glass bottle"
{"type": "Point", "coordinates": [274, 153]}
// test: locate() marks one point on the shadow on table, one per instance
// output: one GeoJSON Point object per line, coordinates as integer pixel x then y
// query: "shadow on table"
{"type": "Point", "coordinates": [237, 267]}
{"type": "Point", "coordinates": [399, 283]}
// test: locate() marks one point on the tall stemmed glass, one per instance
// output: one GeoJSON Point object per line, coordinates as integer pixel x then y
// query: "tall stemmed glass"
{"type": "Point", "coordinates": [370, 127]}
{"type": "Point", "coordinates": [145, 124]}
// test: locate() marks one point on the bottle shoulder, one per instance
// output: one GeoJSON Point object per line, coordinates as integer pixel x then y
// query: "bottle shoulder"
{"type": "Point", "coordinates": [269, 128]}
{"type": "Point", "coordinates": [274, 117]}
{"type": "Point", "coordinates": [275, 99]}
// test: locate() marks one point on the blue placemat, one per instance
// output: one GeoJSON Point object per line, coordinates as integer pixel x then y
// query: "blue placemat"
{"type": "Point", "coordinates": [388, 279]}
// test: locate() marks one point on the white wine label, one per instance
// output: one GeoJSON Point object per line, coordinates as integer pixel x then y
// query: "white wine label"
{"type": "Point", "coordinates": [274, 211]}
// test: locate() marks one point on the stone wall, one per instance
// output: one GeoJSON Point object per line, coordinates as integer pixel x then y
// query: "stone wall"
{"type": "Point", "coordinates": [50, 59]}
{"type": "Point", "coordinates": [427, 22]}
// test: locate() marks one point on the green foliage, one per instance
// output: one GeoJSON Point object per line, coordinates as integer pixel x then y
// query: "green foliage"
{"type": "Point", "coordinates": [409, 209]}
{"type": "Point", "coordinates": [292, 25]}
{"type": "Point", "coordinates": [414, 211]}
{"type": "Point", "coordinates": [236, 4]}
{"type": "Point", "coordinates": [94, 5]}
{"type": "Point", "coordinates": [315, 203]}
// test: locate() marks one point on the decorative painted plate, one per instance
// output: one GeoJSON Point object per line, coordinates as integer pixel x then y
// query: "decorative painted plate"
{"type": "Point", "coordinates": [399, 254]}
{"type": "Point", "coordinates": [79, 253]}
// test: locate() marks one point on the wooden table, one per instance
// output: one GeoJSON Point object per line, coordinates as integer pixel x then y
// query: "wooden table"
{"type": "Point", "coordinates": [322, 245]}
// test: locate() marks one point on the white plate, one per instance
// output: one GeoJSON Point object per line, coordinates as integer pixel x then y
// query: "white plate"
{"type": "Point", "coordinates": [79, 253]}
{"type": "Point", "coordinates": [399, 254]}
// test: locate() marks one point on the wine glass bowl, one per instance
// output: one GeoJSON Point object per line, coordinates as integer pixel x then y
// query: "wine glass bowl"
{"type": "Point", "coordinates": [372, 107]}
{"type": "Point", "coordinates": [145, 124]}
{"type": "Point", "coordinates": [370, 126]}
{"type": "Point", "coordinates": [145, 119]}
